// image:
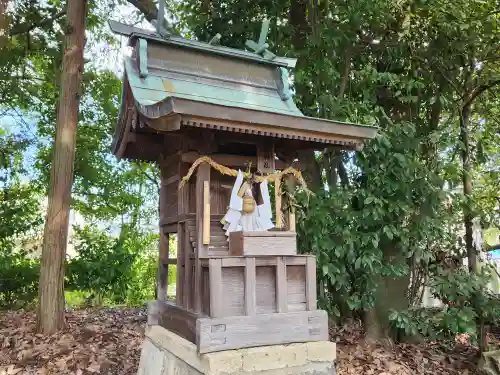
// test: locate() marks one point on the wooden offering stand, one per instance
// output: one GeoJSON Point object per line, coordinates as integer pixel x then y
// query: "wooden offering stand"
{"type": "Point", "coordinates": [182, 100]}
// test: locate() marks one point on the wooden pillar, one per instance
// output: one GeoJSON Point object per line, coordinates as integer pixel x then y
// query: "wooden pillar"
{"type": "Point", "coordinates": [162, 289]}
{"type": "Point", "coordinates": [281, 285]}
{"type": "Point", "coordinates": [250, 287]}
{"type": "Point", "coordinates": [311, 297]}
{"type": "Point", "coordinates": [202, 177]}
{"type": "Point", "coordinates": [187, 282]}
{"type": "Point", "coordinates": [215, 280]}
{"type": "Point", "coordinates": [181, 270]}
{"type": "Point", "coordinates": [162, 277]}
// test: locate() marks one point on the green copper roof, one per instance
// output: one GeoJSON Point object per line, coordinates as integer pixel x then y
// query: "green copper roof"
{"type": "Point", "coordinates": [161, 71]}
{"type": "Point", "coordinates": [176, 83]}
{"type": "Point", "coordinates": [267, 58]}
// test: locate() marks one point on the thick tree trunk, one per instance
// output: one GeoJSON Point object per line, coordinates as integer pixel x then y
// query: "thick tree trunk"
{"type": "Point", "coordinates": [50, 317]}
{"type": "Point", "coordinates": [391, 295]}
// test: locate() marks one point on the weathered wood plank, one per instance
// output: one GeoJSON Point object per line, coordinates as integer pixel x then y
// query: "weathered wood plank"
{"type": "Point", "coordinates": [176, 319]}
{"type": "Point", "coordinates": [233, 291]}
{"type": "Point", "coordinates": [162, 277]}
{"type": "Point", "coordinates": [162, 282]}
{"type": "Point", "coordinates": [276, 233]}
{"type": "Point", "coordinates": [311, 297]}
{"type": "Point", "coordinates": [171, 180]}
{"type": "Point", "coordinates": [265, 290]}
{"type": "Point", "coordinates": [233, 261]}
{"type": "Point", "coordinates": [215, 280]}
{"type": "Point", "coordinates": [250, 286]}
{"type": "Point", "coordinates": [187, 288]}
{"type": "Point", "coordinates": [281, 286]}
{"type": "Point", "coordinates": [296, 286]}
{"type": "Point", "coordinates": [168, 229]}
{"type": "Point", "coordinates": [206, 213]}
{"type": "Point", "coordinates": [259, 330]}
{"type": "Point", "coordinates": [180, 276]}
{"type": "Point", "coordinates": [262, 243]}
{"type": "Point", "coordinates": [170, 261]}
{"type": "Point", "coordinates": [202, 176]}
{"type": "Point", "coordinates": [265, 157]}
{"type": "Point", "coordinates": [177, 219]}
{"type": "Point", "coordinates": [230, 160]}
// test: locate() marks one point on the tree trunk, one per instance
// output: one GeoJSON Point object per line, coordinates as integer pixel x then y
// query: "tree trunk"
{"type": "Point", "coordinates": [50, 317]}
{"type": "Point", "coordinates": [468, 216]}
{"type": "Point", "coordinates": [4, 23]}
{"type": "Point", "coordinates": [391, 294]}
{"type": "Point", "coordinates": [467, 186]}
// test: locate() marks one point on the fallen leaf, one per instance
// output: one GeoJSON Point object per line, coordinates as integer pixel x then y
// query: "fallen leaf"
{"type": "Point", "coordinates": [13, 371]}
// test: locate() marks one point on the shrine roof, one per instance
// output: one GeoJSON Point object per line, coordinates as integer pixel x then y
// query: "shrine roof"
{"type": "Point", "coordinates": [174, 82]}
{"type": "Point", "coordinates": [134, 33]}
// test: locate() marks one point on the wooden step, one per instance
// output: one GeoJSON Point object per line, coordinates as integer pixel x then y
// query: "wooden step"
{"type": "Point", "coordinates": [213, 229]}
{"type": "Point", "coordinates": [213, 239]}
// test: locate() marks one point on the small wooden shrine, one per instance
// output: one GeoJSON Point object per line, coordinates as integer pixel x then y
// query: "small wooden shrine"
{"type": "Point", "coordinates": [222, 124]}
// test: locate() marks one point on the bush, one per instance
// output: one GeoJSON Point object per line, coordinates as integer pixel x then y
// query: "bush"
{"type": "Point", "coordinates": [103, 265]}
{"type": "Point", "coordinates": [18, 280]}
{"type": "Point", "coordinates": [457, 289]}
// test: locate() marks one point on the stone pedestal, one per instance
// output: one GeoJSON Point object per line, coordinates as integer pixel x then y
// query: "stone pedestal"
{"type": "Point", "coordinates": [165, 353]}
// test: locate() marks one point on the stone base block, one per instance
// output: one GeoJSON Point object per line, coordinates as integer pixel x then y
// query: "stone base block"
{"type": "Point", "coordinates": [165, 353]}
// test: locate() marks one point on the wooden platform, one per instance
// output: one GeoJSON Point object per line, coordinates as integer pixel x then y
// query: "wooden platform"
{"type": "Point", "coordinates": [236, 332]}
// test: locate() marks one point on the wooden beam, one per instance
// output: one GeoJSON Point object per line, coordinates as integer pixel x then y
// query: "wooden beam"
{"type": "Point", "coordinates": [311, 297]}
{"type": "Point", "coordinates": [179, 292]}
{"type": "Point", "coordinates": [236, 332]}
{"type": "Point", "coordinates": [169, 229]}
{"type": "Point", "coordinates": [227, 160]}
{"type": "Point", "coordinates": [162, 280]}
{"type": "Point", "coordinates": [170, 261]}
{"type": "Point", "coordinates": [202, 176]}
{"type": "Point", "coordinates": [126, 133]}
{"type": "Point", "coordinates": [176, 319]}
{"type": "Point", "coordinates": [292, 260]}
{"type": "Point", "coordinates": [281, 285]}
{"type": "Point", "coordinates": [171, 179]}
{"type": "Point", "coordinates": [215, 280]}
{"type": "Point", "coordinates": [187, 289]}
{"type": "Point", "coordinates": [178, 219]}
{"type": "Point", "coordinates": [266, 160]}
{"type": "Point", "coordinates": [206, 213]}
{"type": "Point", "coordinates": [250, 286]}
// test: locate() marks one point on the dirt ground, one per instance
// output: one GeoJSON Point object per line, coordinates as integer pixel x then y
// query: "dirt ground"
{"type": "Point", "coordinates": [108, 341]}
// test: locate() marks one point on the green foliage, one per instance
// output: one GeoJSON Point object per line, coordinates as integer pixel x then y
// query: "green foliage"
{"type": "Point", "coordinates": [18, 279]}
{"type": "Point", "coordinates": [102, 264]}
{"type": "Point", "coordinates": [19, 220]}
{"type": "Point", "coordinates": [458, 289]}
{"type": "Point", "coordinates": [349, 229]}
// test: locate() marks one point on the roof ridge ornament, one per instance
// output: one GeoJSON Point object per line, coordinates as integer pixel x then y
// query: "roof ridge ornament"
{"type": "Point", "coordinates": [261, 47]}
{"type": "Point", "coordinates": [159, 23]}
{"type": "Point", "coordinates": [215, 40]}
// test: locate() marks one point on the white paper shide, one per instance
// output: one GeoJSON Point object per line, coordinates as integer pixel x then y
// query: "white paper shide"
{"type": "Point", "coordinates": [236, 219]}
